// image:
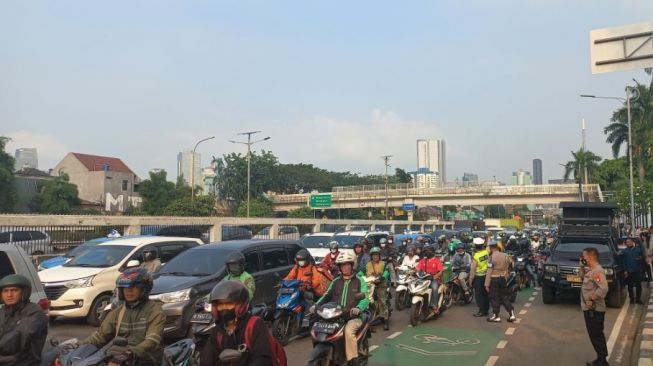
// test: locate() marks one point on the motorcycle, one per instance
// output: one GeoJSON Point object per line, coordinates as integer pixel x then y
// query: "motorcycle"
{"type": "Point", "coordinates": [405, 276]}
{"type": "Point", "coordinates": [421, 292]}
{"type": "Point", "coordinates": [375, 315]}
{"type": "Point", "coordinates": [289, 321]}
{"type": "Point", "coordinates": [328, 335]}
{"type": "Point", "coordinates": [520, 269]}
{"type": "Point", "coordinates": [454, 294]}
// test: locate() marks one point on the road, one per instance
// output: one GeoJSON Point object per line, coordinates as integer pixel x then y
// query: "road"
{"type": "Point", "coordinates": [543, 335]}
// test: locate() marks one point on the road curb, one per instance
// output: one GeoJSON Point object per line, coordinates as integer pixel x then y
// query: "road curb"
{"type": "Point", "coordinates": [645, 357]}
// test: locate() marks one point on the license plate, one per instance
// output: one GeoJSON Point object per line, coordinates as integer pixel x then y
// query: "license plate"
{"type": "Point", "coordinates": [574, 278]}
{"type": "Point", "coordinates": [327, 328]}
{"type": "Point", "coordinates": [202, 318]}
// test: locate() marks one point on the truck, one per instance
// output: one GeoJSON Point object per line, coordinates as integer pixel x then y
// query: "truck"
{"type": "Point", "coordinates": [583, 225]}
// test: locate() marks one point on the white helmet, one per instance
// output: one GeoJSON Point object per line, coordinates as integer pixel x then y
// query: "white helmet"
{"type": "Point", "coordinates": [479, 241]}
{"type": "Point", "coordinates": [346, 257]}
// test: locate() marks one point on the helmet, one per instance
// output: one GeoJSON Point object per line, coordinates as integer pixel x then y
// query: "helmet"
{"type": "Point", "coordinates": [439, 253]}
{"type": "Point", "coordinates": [460, 246]}
{"type": "Point", "coordinates": [334, 245]}
{"type": "Point", "coordinates": [16, 280]}
{"type": "Point", "coordinates": [230, 291]}
{"type": "Point", "coordinates": [479, 242]}
{"type": "Point", "coordinates": [442, 238]}
{"type": "Point", "coordinates": [452, 247]}
{"type": "Point", "coordinates": [236, 263]}
{"type": "Point", "coordinates": [429, 250]}
{"type": "Point", "coordinates": [303, 256]}
{"type": "Point", "coordinates": [346, 257]}
{"type": "Point", "coordinates": [383, 242]}
{"type": "Point", "coordinates": [135, 277]}
{"type": "Point", "coordinates": [375, 250]}
{"type": "Point", "coordinates": [150, 254]}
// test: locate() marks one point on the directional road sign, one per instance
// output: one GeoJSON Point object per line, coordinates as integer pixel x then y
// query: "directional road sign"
{"type": "Point", "coordinates": [321, 200]}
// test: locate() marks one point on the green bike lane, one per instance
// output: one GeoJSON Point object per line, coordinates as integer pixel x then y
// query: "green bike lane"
{"type": "Point", "coordinates": [455, 338]}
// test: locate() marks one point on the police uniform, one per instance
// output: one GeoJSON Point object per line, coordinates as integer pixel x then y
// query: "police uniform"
{"type": "Point", "coordinates": [496, 278]}
{"type": "Point", "coordinates": [479, 270]}
{"type": "Point", "coordinates": [592, 301]}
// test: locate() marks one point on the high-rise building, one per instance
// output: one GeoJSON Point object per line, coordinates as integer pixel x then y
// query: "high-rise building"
{"type": "Point", "coordinates": [470, 179]}
{"type": "Point", "coordinates": [537, 171]}
{"type": "Point", "coordinates": [521, 178]}
{"type": "Point", "coordinates": [184, 167]}
{"type": "Point", "coordinates": [26, 158]}
{"type": "Point", "coordinates": [432, 159]}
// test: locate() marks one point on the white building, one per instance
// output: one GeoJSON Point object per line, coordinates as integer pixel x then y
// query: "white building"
{"type": "Point", "coordinates": [431, 158]}
{"type": "Point", "coordinates": [184, 167]}
{"type": "Point", "coordinates": [26, 158]}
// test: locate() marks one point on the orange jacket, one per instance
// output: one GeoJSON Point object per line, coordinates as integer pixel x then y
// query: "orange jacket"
{"type": "Point", "coordinates": [312, 276]}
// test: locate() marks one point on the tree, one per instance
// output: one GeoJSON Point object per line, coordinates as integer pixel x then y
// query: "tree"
{"type": "Point", "coordinates": [304, 212]}
{"type": "Point", "coordinates": [7, 187]}
{"type": "Point", "coordinates": [356, 214]}
{"type": "Point", "coordinates": [583, 160]}
{"type": "Point", "coordinates": [611, 174]}
{"type": "Point", "coordinates": [402, 177]}
{"type": "Point", "coordinates": [184, 206]}
{"type": "Point", "coordinates": [232, 183]}
{"type": "Point", "coordinates": [259, 207]}
{"type": "Point", "coordinates": [57, 196]}
{"type": "Point", "coordinates": [642, 129]}
{"type": "Point", "coordinates": [157, 193]}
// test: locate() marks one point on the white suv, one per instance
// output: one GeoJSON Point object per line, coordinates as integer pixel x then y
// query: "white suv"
{"type": "Point", "coordinates": [317, 244]}
{"type": "Point", "coordinates": [82, 287]}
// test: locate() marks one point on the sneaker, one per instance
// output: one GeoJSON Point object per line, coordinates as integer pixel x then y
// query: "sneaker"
{"type": "Point", "coordinates": [512, 317]}
{"type": "Point", "coordinates": [494, 319]}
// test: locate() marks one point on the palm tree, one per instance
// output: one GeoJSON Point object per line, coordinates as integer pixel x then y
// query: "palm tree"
{"type": "Point", "coordinates": [584, 161]}
{"type": "Point", "coordinates": [642, 129]}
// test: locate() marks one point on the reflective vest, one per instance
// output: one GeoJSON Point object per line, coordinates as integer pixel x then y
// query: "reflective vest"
{"type": "Point", "coordinates": [481, 258]}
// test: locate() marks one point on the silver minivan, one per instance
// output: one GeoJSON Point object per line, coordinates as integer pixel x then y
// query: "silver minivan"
{"type": "Point", "coordinates": [34, 242]}
{"type": "Point", "coordinates": [14, 260]}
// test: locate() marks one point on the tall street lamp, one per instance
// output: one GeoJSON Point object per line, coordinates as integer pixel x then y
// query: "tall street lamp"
{"type": "Point", "coordinates": [631, 94]}
{"type": "Point", "coordinates": [386, 160]}
{"type": "Point", "coordinates": [249, 144]}
{"type": "Point", "coordinates": [192, 168]}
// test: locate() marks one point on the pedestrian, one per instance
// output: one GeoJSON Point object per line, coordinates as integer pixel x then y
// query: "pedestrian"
{"type": "Point", "coordinates": [632, 258]}
{"type": "Point", "coordinates": [496, 280]}
{"type": "Point", "coordinates": [477, 277]}
{"type": "Point", "coordinates": [592, 301]}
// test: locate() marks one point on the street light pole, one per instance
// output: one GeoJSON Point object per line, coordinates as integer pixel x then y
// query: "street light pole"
{"type": "Point", "coordinates": [386, 160]}
{"type": "Point", "coordinates": [192, 168]}
{"type": "Point", "coordinates": [249, 144]}
{"type": "Point", "coordinates": [635, 94]}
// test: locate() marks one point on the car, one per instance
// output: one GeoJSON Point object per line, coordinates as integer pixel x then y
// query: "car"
{"type": "Point", "coordinates": [347, 239]}
{"type": "Point", "coordinates": [14, 260]}
{"type": "Point", "coordinates": [34, 242]}
{"type": "Point", "coordinates": [82, 287]}
{"type": "Point", "coordinates": [317, 244]}
{"type": "Point", "coordinates": [191, 276]}
{"type": "Point", "coordinates": [235, 233]}
{"type": "Point", "coordinates": [284, 232]}
{"type": "Point", "coordinates": [60, 260]}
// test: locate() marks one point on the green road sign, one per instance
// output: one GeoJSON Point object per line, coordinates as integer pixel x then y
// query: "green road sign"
{"type": "Point", "coordinates": [320, 200]}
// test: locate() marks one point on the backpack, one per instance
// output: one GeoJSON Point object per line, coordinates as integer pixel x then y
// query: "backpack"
{"type": "Point", "coordinates": [278, 353]}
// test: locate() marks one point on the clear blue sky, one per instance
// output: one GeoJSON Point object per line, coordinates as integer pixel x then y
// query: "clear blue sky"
{"type": "Point", "coordinates": [334, 83]}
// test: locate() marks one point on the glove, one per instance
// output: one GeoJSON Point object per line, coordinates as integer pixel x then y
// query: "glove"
{"type": "Point", "coordinates": [123, 358]}
{"type": "Point", "coordinates": [312, 309]}
{"type": "Point", "coordinates": [355, 311]}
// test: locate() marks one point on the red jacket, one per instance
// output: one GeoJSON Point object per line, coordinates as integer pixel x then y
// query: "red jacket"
{"type": "Point", "coordinates": [430, 265]}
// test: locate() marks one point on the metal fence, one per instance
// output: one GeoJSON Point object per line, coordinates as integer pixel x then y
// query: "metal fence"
{"type": "Point", "coordinates": [38, 240]}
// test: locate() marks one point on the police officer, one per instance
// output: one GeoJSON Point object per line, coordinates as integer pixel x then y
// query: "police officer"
{"type": "Point", "coordinates": [495, 283]}
{"type": "Point", "coordinates": [477, 277]}
{"type": "Point", "coordinates": [592, 301]}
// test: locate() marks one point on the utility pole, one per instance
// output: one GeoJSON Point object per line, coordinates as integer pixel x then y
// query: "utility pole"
{"type": "Point", "coordinates": [386, 161]}
{"type": "Point", "coordinates": [192, 167]}
{"type": "Point", "coordinates": [249, 144]}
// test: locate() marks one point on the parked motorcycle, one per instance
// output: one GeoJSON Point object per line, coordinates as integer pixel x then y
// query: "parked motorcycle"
{"type": "Point", "coordinates": [405, 276]}
{"type": "Point", "coordinates": [329, 338]}
{"type": "Point", "coordinates": [289, 321]}
{"type": "Point", "coordinates": [420, 292]}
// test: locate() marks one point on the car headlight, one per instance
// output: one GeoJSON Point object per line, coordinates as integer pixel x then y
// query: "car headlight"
{"type": "Point", "coordinates": [176, 296]}
{"type": "Point", "coordinates": [553, 269]}
{"type": "Point", "coordinates": [609, 271]}
{"type": "Point", "coordinates": [80, 282]}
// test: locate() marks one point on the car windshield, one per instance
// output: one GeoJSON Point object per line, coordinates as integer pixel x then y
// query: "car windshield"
{"type": "Point", "coordinates": [315, 241]}
{"type": "Point", "coordinates": [347, 241]}
{"type": "Point", "coordinates": [100, 256]}
{"type": "Point", "coordinates": [82, 247]}
{"type": "Point", "coordinates": [265, 231]}
{"type": "Point", "coordinates": [576, 247]}
{"type": "Point", "coordinates": [200, 261]}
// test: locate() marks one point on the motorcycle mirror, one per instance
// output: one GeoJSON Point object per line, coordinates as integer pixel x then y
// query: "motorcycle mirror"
{"type": "Point", "coordinates": [120, 342]}
{"type": "Point", "coordinates": [133, 263]}
{"type": "Point", "coordinates": [229, 356]}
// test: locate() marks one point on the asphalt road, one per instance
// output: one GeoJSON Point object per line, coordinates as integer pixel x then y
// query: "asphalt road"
{"type": "Point", "coordinates": [543, 335]}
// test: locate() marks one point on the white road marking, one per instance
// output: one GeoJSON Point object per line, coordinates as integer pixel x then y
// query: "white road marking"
{"type": "Point", "coordinates": [523, 312]}
{"type": "Point", "coordinates": [518, 320]}
{"type": "Point", "coordinates": [617, 327]}
{"type": "Point", "coordinates": [645, 362]}
{"type": "Point", "coordinates": [502, 344]}
{"type": "Point", "coordinates": [535, 293]}
{"type": "Point", "coordinates": [394, 335]}
{"type": "Point", "coordinates": [531, 298]}
{"type": "Point", "coordinates": [527, 305]}
{"type": "Point", "coordinates": [492, 360]}
{"type": "Point", "coordinates": [510, 331]}
{"type": "Point", "coordinates": [647, 345]}
{"type": "Point", "coordinates": [647, 331]}
{"type": "Point", "coordinates": [372, 348]}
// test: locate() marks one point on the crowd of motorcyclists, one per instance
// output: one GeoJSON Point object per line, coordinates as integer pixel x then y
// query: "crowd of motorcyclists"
{"type": "Point", "coordinates": [354, 280]}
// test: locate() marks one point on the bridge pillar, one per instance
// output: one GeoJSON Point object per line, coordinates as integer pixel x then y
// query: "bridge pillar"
{"type": "Point", "coordinates": [134, 229]}
{"type": "Point", "coordinates": [274, 231]}
{"type": "Point", "coordinates": [215, 233]}
{"type": "Point", "coordinates": [316, 228]}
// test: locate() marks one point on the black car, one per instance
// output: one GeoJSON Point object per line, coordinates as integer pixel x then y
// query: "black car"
{"type": "Point", "coordinates": [190, 276]}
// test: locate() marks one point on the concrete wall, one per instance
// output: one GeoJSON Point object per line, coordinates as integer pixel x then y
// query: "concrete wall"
{"type": "Point", "coordinates": [115, 198]}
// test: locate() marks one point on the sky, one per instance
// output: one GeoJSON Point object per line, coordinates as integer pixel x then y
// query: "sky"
{"type": "Point", "coordinates": [336, 84]}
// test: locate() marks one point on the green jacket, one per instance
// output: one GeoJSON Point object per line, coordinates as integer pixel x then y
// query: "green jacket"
{"type": "Point", "coordinates": [246, 279]}
{"type": "Point", "coordinates": [344, 291]}
{"type": "Point", "coordinates": [143, 328]}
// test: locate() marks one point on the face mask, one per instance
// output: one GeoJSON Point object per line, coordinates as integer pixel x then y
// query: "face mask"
{"type": "Point", "coordinates": [226, 316]}
{"type": "Point", "coordinates": [301, 263]}
{"type": "Point", "coordinates": [383, 245]}
{"type": "Point", "coordinates": [334, 251]}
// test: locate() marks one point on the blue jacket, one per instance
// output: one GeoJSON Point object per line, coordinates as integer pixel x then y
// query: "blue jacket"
{"type": "Point", "coordinates": [632, 259]}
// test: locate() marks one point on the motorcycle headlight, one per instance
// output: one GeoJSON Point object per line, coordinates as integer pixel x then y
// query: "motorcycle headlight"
{"type": "Point", "coordinates": [176, 296]}
{"type": "Point", "coordinates": [609, 271]}
{"type": "Point", "coordinates": [80, 282]}
{"type": "Point", "coordinates": [329, 313]}
{"type": "Point", "coordinates": [553, 269]}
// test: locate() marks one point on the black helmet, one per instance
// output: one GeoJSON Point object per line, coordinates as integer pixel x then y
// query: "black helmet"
{"type": "Point", "coordinates": [231, 291]}
{"type": "Point", "coordinates": [135, 277]}
{"type": "Point", "coordinates": [235, 263]}
{"type": "Point", "coordinates": [429, 250]}
{"type": "Point", "coordinates": [150, 254]}
{"type": "Point", "coordinates": [334, 245]}
{"type": "Point", "coordinates": [16, 280]}
{"type": "Point", "coordinates": [303, 255]}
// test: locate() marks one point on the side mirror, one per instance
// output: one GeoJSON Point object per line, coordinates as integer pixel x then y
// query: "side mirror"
{"type": "Point", "coordinates": [230, 356]}
{"type": "Point", "coordinates": [133, 263]}
{"type": "Point", "coordinates": [120, 342]}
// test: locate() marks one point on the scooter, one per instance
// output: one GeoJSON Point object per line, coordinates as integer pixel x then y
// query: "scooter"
{"type": "Point", "coordinates": [421, 292]}
{"type": "Point", "coordinates": [328, 335]}
{"type": "Point", "coordinates": [289, 321]}
{"type": "Point", "coordinates": [520, 269]}
{"type": "Point", "coordinates": [405, 276]}
{"type": "Point", "coordinates": [454, 294]}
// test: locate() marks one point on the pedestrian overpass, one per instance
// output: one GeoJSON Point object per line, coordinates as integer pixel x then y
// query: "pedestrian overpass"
{"type": "Point", "coordinates": [407, 193]}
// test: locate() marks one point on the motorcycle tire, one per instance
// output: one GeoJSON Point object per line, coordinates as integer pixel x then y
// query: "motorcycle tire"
{"type": "Point", "coordinates": [415, 314]}
{"type": "Point", "coordinates": [449, 299]}
{"type": "Point", "coordinates": [400, 300]}
{"type": "Point", "coordinates": [281, 329]}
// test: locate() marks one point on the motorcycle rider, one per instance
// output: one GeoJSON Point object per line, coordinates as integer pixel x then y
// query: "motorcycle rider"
{"type": "Point", "coordinates": [361, 257]}
{"type": "Point", "coordinates": [312, 277]}
{"type": "Point", "coordinates": [151, 262]}
{"type": "Point", "coordinates": [477, 277]}
{"type": "Point", "coordinates": [140, 319]}
{"type": "Point", "coordinates": [343, 290]}
{"type": "Point", "coordinates": [535, 241]}
{"type": "Point", "coordinates": [530, 269]}
{"type": "Point", "coordinates": [433, 266]}
{"type": "Point", "coordinates": [461, 264]}
{"type": "Point", "coordinates": [236, 272]}
{"type": "Point", "coordinates": [389, 256]}
{"type": "Point", "coordinates": [329, 261]}
{"type": "Point", "coordinates": [411, 258]}
{"type": "Point", "coordinates": [23, 324]}
{"type": "Point", "coordinates": [442, 242]}
{"type": "Point", "coordinates": [229, 304]}
{"type": "Point", "coordinates": [379, 269]}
